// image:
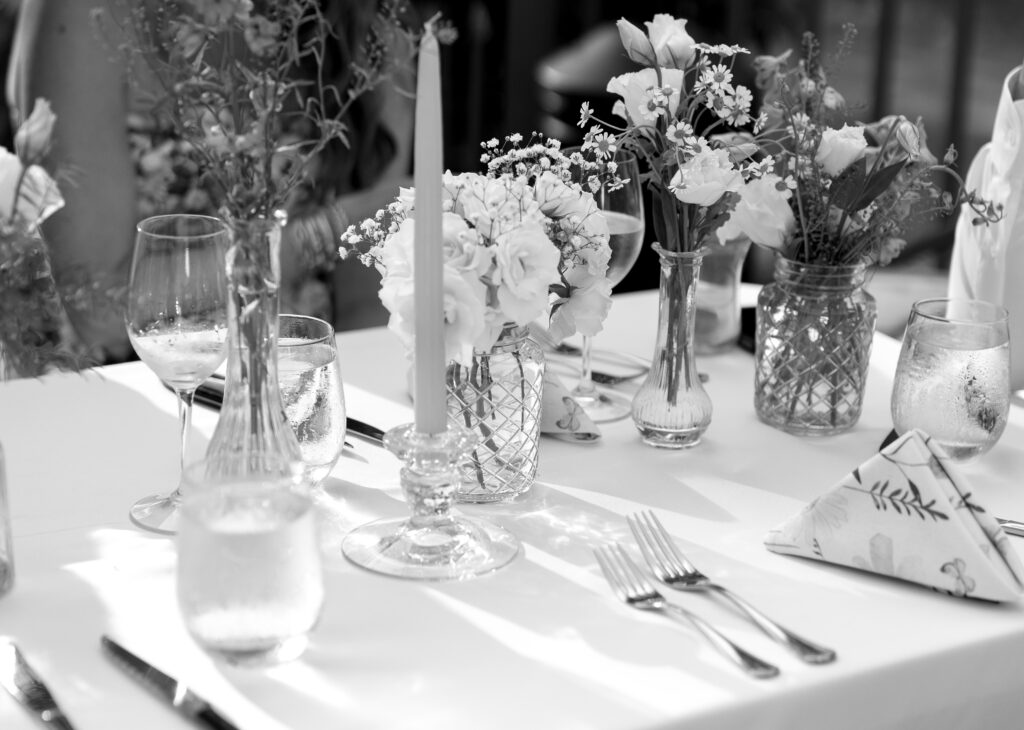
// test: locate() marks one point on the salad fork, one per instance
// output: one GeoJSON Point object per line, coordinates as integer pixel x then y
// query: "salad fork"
{"type": "Point", "coordinates": [632, 586]}
{"type": "Point", "coordinates": [672, 568]}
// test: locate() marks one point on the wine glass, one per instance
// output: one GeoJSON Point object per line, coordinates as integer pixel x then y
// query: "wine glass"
{"type": "Point", "coordinates": [311, 390]}
{"type": "Point", "coordinates": [177, 322]}
{"type": "Point", "coordinates": [623, 208]}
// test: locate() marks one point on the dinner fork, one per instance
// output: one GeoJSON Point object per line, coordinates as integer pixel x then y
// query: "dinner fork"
{"type": "Point", "coordinates": [671, 567]}
{"type": "Point", "coordinates": [632, 586]}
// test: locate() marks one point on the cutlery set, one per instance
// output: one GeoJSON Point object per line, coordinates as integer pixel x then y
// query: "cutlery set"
{"type": "Point", "coordinates": [25, 686]}
{"type": "Point", "coordinates": [670, 567]}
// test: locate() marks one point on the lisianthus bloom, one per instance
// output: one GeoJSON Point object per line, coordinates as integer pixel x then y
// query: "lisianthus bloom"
{"type": "Point", "coordinates": [590, 299]}
{"type": "Point", "coordinates": [706, 177]}
{"type": "Point", "coordinates": [32, 140]}
{"type": "Point", "coordinates": [34, 201]}
{"type": "Point", "coordinates": [839, 148]}
{"type": "Point", "coordinates": [643, 100]}
{"type": "Point", "coordinates": [666, 42]}
{"type": "Point", "coordinates": [762, 214]}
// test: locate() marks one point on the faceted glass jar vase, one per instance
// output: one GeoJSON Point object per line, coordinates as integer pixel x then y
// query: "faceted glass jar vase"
{"type": "Point", "coordinates": [815, 325]}
{"type": "Point", "coordinates": [498, 398]}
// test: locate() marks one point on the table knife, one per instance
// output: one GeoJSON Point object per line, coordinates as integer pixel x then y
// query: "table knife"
{"type": "Point", "coordinates": [1011, 527]}
{"type": "Point", "coordinates": [211, 394]}
{"type": "Point", "coordinates": [24, 685]}
{"type": "Point", "coordinates": [177, 694]}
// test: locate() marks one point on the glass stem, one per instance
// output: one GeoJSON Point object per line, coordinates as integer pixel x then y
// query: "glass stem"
{"type": "Point", "coordinates": [586, 386]}
{"type": "Point", "coordinates": [185, 399]}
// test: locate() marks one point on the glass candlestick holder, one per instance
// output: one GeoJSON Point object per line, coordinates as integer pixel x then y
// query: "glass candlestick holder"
{"type": "Point", "coordinates": [435, 542]}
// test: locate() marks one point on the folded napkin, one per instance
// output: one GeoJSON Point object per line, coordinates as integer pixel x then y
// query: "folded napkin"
{"type": "Point", "coordinates": [907, 512]}
{"type": "Point", "coordinates": [560, 415]}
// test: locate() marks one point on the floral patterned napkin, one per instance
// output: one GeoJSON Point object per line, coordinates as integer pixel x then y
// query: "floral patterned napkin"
{"type": "Point", "coordinates": [561, 415]}
{"type": "Point", "coordinates": [908, 513]}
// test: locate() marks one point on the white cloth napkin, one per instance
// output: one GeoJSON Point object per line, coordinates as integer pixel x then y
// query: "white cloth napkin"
{"type": "Point", "coordinates": [988, 261]}
{"type": "Point", "coordinates": [561, 415]}
{"type": "Point", "coordinates": [907, 512]}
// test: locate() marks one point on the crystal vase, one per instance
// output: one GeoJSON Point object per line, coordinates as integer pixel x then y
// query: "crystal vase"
{"type": "Point", "coordinates": [252, 419]}
{"type": "Point", "coordinates": [815, 325]}
{"type": "Point", "coordinates": [498, 398]}
{"type": "Point", "coordinates": [672, 410]}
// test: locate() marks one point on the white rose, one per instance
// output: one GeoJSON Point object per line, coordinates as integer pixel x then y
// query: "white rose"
{"type": "Point", "coordinates": [526, 265]}
{"type": "Point", "coordinates": [705, 177]}
{"type": "Point", "coordinates": [839, 148]}
{"type": "Point", "coordinates": [463, 250]}
{"type": "Point", "coordinates": [590, 298]}
{"type": "Point", "coordinates": [762, 214]}
{"type": "Point", "coordinates": [464, 312]}
{"type": "Point", "coordinates": [637, 100]}
{"type": "Point", "coordinates": [560, 200]}
{"type": "Point", "coordinates": [635, 41]}
{"type": "Point", "coordinates": [32, 140]}
{"type": "Point", "coordinates": [38, 196]}
{"type": "Point", "coordinates": [673, 46]}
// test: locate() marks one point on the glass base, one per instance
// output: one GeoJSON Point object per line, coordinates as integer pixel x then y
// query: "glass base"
{"type": "Point", "coordinates": [603, 407]}
{"type": "Point", "coordinates": [157, 513]}
{"type": "Point", "coordinates": [455, 549]}
{"type": "Point", "coordinates": [264, 655]}
{"type": "Point", "coordinates": [662, 439]}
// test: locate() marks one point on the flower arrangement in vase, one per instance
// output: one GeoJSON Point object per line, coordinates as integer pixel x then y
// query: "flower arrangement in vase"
{"type": "Point", "coordinates": [858, 190]}
{"type": "Point", "coordinates": [232, 85]}
{"type": "Point", "coordinates": [521, 241]}
{"type": "Point", "coordinates": [35, 334]}
{"type": "Point", "coordinates": [708, 183]}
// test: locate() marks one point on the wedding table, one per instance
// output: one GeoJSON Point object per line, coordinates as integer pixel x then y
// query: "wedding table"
{"type": "Point", "coordinates": [540, 644]}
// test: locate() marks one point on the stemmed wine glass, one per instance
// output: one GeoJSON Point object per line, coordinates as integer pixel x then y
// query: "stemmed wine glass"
{"type": "Point", "coordinates": [177, 322]}
{"type": "Point", "coordinates": [623, 208]}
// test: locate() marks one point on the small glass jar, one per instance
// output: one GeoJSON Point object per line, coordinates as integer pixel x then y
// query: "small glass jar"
{"type": "Point", "coordinates": [498, 398]}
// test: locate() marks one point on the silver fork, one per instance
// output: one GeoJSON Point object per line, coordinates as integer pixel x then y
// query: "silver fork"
{"type": "Point", "coordinates": [671, 567]}
{"type": "Point", "coordinates": [632, 586]}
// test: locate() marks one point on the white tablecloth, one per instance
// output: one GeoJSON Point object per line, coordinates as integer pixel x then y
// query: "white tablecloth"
{"type": "Point", "coordinates": [541, 643]}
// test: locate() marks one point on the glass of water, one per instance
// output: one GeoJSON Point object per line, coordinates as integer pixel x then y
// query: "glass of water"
{"type": "Point", "coordinates": [953, 375]}
{"type": "Point", "coordinates": [250, 580]}
{"type": "Point", "coordinates": [311, 389]}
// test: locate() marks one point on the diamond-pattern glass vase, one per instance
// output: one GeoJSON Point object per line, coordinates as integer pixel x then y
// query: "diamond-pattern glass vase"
{"type": "Point", "coordinates": [815, 325]}
{"type": "Point", "coordinates": [498, 397]}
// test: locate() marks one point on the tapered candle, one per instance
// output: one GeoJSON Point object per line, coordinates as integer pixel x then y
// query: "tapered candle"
{"type": "Point", "coordinates": [428, 261]}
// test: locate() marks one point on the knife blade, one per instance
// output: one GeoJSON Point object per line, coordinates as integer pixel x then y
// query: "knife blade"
{"type": "Point", "coordinates": [24, 685]}
{"type": "Point", "coordinates": [1011, 527]}
{"type": "Point", "coordinates": [210, 393]}
{"type": "Point", "coordinates": [177, 694]}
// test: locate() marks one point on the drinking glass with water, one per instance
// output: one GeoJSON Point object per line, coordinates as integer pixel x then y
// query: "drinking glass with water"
{"type": "Point", "coordinates": [250, 580]}
{"type": "Point", "coordinates": [953, 375]}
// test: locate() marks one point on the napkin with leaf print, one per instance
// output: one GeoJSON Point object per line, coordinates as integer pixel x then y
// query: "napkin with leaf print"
{"type": "Point", "coordinates": [907, 512]}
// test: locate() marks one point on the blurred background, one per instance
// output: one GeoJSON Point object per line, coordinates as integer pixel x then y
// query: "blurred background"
{"type": "Point", "coordinates": [526, 65]}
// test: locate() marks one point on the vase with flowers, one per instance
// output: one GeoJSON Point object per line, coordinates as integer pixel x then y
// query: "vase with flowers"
{"type": "Point", "coordinates": [708, 185]}
{"type": "Point", "coordinates": [253, 127]}
{"type": "Point", "coordinates": [521, 241]}
{"type": "Point", "coordinates": [35, 333]}
{"type": "Point", "coordinates": [857, 189]}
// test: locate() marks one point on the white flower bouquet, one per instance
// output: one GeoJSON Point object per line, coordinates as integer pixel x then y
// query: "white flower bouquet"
{"type": "Point", "coordinates": [521, 241]}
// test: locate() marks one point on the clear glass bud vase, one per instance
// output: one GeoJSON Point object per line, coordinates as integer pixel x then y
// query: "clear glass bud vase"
{"type": "Point", "coordinates": [672, 410]}
{"type": "Point", "coordinates": [252, 419]}
{"type": "Point", "coordinates": [815, 325]}
{"type": "Point", "coordinates": [498, 398]}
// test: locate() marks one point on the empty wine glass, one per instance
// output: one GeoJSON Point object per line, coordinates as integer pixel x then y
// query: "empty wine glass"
{"type": "Point", "coordinates": [177, 322]}
{"type": "Point", "coordinates": [623, 208]}
{"type": "Point", "coordinates": [311, 390]}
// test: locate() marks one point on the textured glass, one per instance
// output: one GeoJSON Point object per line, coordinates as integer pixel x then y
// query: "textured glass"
{"type": "Point", "coordinates": [815, 325]}
{"type": "Point", "coordinates": [671, 409]}
{"type": "Point", "coordinates": [498, 398]}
